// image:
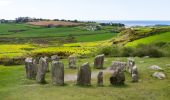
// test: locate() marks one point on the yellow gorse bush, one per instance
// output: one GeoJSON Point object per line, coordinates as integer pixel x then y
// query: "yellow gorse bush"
{"type": "Point", "coordinates": [87, 48]}
{"type": "Point", "coordinates": [13, 50]}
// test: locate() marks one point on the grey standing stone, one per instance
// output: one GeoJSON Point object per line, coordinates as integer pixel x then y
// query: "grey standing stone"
{"type": "Point", "coordinates": [84, 75]}
{"type": "Point", "coordinates": [41, 72]}
{"type": "Point", "coordinates": [48, 61]}
{"type": "Point", "coordinates": [55, 58]}
{"type": "Point", "coordinates": [118, 77]}
{"type": "Point", "coordinates": [57, 73]}
{"type": "Point", "coordinates": [134, 74]}
{"type": "Point", "coordinates": [130, 64]}
{"type": "Point", "coordinates": [100, 79]}
{"type": "Point", "coordinates": [72, 62]}
{"type": "Point", "coordinates": [99, 61]}
{"type": "Point", "coordinates": [118, 65]}
{"type": "Point", "coordinates": [30, 68]}
{"type": "Point", "coordinates": [35, 63]}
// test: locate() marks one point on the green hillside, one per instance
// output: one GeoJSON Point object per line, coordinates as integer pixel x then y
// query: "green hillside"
{"type": "Point", "coordinates": [162, 37]}
{"type": "Point", "coordinates": [29, 32]}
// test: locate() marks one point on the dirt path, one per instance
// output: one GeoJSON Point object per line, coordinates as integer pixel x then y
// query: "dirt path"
{"type": "Point", "coordinates": [73, 77]}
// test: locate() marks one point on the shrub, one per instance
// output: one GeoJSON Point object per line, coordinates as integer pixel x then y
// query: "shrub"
{"type": "Point", "coordinates": [147, 50]}
{"type": "Point", "coordinates": [152, 50]}
{"type": "Point", "coordinates": [127, 51]}
{"type": "Point", "coordinates": [12, 61]}
{"type": "Point", "coordinates": [109, 51]}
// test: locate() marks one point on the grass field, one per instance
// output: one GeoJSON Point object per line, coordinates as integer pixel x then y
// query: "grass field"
{"type": "Point", "coordinates": [29, 32]}
{"type": "Point", "coordinates": [163, 37]}
{"type": "Point", "coordinates": [14, 85]}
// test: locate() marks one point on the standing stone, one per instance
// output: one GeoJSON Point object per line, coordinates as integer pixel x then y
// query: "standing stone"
{"type": "Point", "coordinates": [113, 78]}
{"type": "Point", "coordinates": [55, 58]}
{"type": "Point", "coordinates": [118, 77]}
{"type": "Point", "coordinates": [130, 64]}
{"type": "Point", "coordinates": [100, 79]}
{"type": "Point", "coordinates": [72, 62]}
{"type": "Point", "coordinates": [57, 73]}
{"type": "Point", "coordinates": [134, 74]}
{"type": "Point", "coordinates": [84, 75]}
{"type": "Point", "coordinates": [118, 65]}
{"type": "Point", "coordinates": [41, 71]}
{"type": "Point", "coordinates": [99, 61]}
{"type": "Point", "coordinates": [35, 63]}
{"type": "Point", "coordinates": [48, 61]}
{"type": "Point", "coordinates": [30, 68]}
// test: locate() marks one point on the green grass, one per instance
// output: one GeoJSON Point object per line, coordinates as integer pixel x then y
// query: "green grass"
{"type": "Point", "coordinates": [163, 37]}
{"type": "Point", "coordinates": [33, 32]}
{"type": "Point", "coordinates": [14, 85]}
{"type": "Point", "coordinates": [97, 37]}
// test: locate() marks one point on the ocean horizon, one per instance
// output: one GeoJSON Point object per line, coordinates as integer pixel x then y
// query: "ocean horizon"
{"type": "Point", "coordinates": [135, 22]}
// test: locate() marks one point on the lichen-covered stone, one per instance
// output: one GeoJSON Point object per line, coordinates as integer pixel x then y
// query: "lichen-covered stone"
{"type": "Point", "coordinates": [159, 75]}
{"type": "Point", "coordinates": [55, 58]}
{"type": "Point", "coordinates": [30, 68]}
{"type": "Point", "coordinates": [118, 77]}
{"type": "Point", "coordinates": [118, 65]}
{"type": "Point", "coordinates": [84, 75]}
{"type": "Point", "coordinates": [57, 73]}
{"type": "Point", "coordinates": [100, 79]}
{"type": "Point", "coordinates": [48, 61]}
{"type": "Point", "coordinates": [41, 70]}
{"type": "Point", "coordinates": [99, 61]}
{"type": "Point", "coordinates": [72, 62]}
{"type": "Point", "coordinates": [135, 74]}
{"type": "Point", "coordinates": [130, 64]}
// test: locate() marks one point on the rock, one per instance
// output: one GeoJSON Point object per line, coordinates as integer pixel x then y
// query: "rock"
{"type": "Point", "coordinates": [84, 75]}
{"type": "Point", "coordinates": [35, 63]}
{"type": "Point", "coordinates": [30, 68]}
{"type": "Point", "coordinates": [168, 65]}
{"type": "Point", "coordinates": [134, 78]}
{"type": "Point", "coordinates": [134, 74]}
{"type": "Point", "coordinates": [57, 73]}
{"type": "Point", "coordinates": [100, 79]}
{"type": "Point", "coordinates": [113, 78]}
{"type": "Point", "coordinates": [55, 58]}
{"type": "Point", "coordinates": [48, 61]}
{"type": "Point", "coordinates": [41, 72]}
{"type": "Point", "coordinates": [118, 65]}
{"type": "Point", "coordinates": [72, 62]}
{"type": "Point", "coordinates": [146, 57]}
{"type": "Point", "coordinates": [120, 77]}
{"type": "Point", "coordinates": [155, 67]}
{"type": "Point", "coordinates": [159, 75]}
{"type": "Point", "coordinates": [117, 78]}
{"type": "Point", "coordinates": [130, 64]}
{"type": "Point", "coordinates": [99, 61]}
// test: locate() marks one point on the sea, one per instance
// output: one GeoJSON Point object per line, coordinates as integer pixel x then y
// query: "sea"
{"type": "Point", "coordinates": [137, 23]}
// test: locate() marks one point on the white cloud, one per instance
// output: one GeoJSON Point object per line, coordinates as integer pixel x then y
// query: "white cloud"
{"type": "Point", "coordinates": [5, 2]}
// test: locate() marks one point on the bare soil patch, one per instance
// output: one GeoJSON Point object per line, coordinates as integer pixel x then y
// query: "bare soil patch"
{"type": "Point", "coordinates": [54, 23]}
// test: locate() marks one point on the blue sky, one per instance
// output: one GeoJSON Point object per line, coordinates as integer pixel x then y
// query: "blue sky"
{"type": "Point", "coordinates": [87, 9]}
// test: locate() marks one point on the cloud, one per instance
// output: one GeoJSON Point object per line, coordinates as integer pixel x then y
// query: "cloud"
{"type": "Point", "coordinates": [5, 2]}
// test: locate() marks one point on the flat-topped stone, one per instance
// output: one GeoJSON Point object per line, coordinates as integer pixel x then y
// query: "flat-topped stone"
{"type": "Point", "coordinates": [57, 71]}
{"type": "Point", "coordinates": [84, 75]}
{"type": "Point", "coordinates": [99, 61]}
